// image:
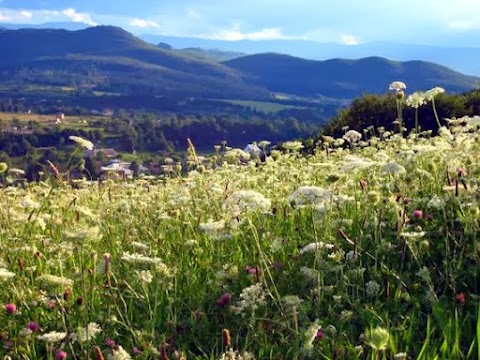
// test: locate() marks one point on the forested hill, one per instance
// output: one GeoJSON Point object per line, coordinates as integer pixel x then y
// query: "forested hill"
{"type": "Point", "coordinates": [110, 61]}
{"type": "Point", "coordinates": [107, 58]}
{"type": "Point", "coordinates": [342, 78]}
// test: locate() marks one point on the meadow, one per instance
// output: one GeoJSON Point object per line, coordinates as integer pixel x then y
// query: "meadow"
{"type": "Point", "coordinates": [366, 249]}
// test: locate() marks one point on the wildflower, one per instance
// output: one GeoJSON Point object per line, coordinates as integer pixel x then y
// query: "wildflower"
{"type": "Point", "coordinates": [363, 184]}
{"type": "Point", "coordinates": [313, 333]}
{"type": "Point", "coordinates": [346, 315]}
{"type": "Point", "coordinates": [400, 356]}
{"type": "Point", "coordinates": [293, 145]}
{"type": "Point", "coordinates": [236, 355]}
{"type": "Point", "coordinates": [88, 333]}
{"type": "Point", "coordinates": [81, 235]}
{"type": "Point", "coordinates": [416, 99]}
{"type": "Point", "coordinates": [251, 298]}
{"type": "Point", "coordinates": [292, 300]}
{"type": "Point", "coordinates": [145, 276]}
{"type": "Point", "coordinates": [60, 355]}
{"type": "Point", "coordinates": [212, 226]}
{"type": "Point", "coordinates": [413, 234]}
{"type": "Point", "coordinates": [313, 195]}
{"type": "Point", "coordinates": [392, 168]}
{"type": "Point", "coordinates": [140, 259]}
{"type": "Point", "coordinates": [460, 298]}
{"type": "Point", "coordinates": [87, 144]}
{"type": "Point", "coordinates": [224, 300]}
{"type": "Point", "coordinates": [264, 143]}
{"type": "Point", "coordinates": [140, 247]}
{"type": "Point", "coordinates": [10, 308]}
{"type": "Point", "coordinates": [3, 167]}
{"type": "Point", "coordinates": [418, 214]}
{"type": "Point", "coordinates": [52, 336]}
{"type": "Point", "coordinates": [430, 94]}
{"type": "Point", "coordinates": [52, 280]}
{"type": "Point", "coordinates": [331, 329]}
{"type": "Point", "coordinates": [119, 354]}
{"type": "Point", "coordinates": [444, 133]}
{"type": "Point", "coordinates": [316, 246]}
{"type": "Point", "coordinates": [5, 274]}
{"type": "Point", "coordinates": [352, 136]}
{"type": "Point", "coordinates": [377, 338]}
{"type": "Point", "coordinates": [110, 342]}
{"type": "Point", "coordinates": [32, 326]}
{"type": "Point", "coordinates": [372, 288]}
{"type": "Point", "coordinates": [237, 154]}
{"type": "Point", "coordinates": [246, 201]}
{"type": "Point", "coordinates": [397, 86]}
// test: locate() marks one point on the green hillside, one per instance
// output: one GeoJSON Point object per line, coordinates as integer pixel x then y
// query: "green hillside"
{"type": "Point", "coordinates": [342, 78]}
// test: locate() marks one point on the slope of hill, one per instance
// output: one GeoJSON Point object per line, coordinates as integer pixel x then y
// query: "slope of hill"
{"type": "Point", "coordinates": [212, 54]}
{"type": "Point", "coordinates": [109, 60]}
{"type": "Point", "coordinates": [341, 78]}
{"type": "Point", "coordinates": [105, 57]}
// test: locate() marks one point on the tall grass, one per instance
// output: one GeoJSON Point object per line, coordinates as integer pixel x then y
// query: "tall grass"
{"type": "Point", "coordinates": [362, 252]}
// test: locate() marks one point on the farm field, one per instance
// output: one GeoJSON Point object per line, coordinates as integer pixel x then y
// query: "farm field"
{"type": "Point", "coordinates": [24, 117]}
{"type": "Point", "coordinates": [367, 249]}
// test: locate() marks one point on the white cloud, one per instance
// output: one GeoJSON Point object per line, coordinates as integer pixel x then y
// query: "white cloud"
{"type": "Point", "coordinates": [26, 14]}
{"type": "Point", "coordinates": [235, 34]}
{"type": "Point", "coordinates": [78, 17]}
{"type": "Point", "coordinates": [349, 39]}
{"type": "Point", "coordinates": [142, 23]}
{"type": "Point", "coordinates": [39, 16]}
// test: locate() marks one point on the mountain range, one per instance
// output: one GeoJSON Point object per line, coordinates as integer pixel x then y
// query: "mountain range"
{"type": "Point", "coordinates": [110, 60]}
{"type": "Point", "coordinates": [463, 57]}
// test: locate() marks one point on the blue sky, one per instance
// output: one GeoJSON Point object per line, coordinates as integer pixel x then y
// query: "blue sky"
{"type": "Point", "coordinates": [341, 21]}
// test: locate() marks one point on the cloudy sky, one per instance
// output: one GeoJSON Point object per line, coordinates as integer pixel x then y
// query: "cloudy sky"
{"type": "Point", "coordinates": [341, 21]}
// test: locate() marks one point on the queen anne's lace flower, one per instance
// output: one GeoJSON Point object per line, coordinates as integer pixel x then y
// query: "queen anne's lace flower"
{"type": "Point", "coordinates": [352, 136]}
{"type": "Point", "coordinates": [397, 86]}
{"type": "Point", "coordinates": [245, 201]}
{"type": "Point", "coordinates": [5, 274]}
{"type": "Point", "coordinates": [119, 353]}
{"type": "Point", "coordinates": [416, 99]}
{"type": "Point", "coordinates": [87, 144]}
{"type": "Point", "coordinates": [53, 336]}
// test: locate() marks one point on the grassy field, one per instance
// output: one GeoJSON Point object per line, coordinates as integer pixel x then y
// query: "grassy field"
{"type": "Point", "coordinates": [265, 107]}
{"type": "Point", "coordinates": [367, 249]}
{"type": "Point", "coordinates": [72, 122]}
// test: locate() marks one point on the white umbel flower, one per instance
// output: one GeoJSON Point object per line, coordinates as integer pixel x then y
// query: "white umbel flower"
{"type": "Point", "coordinates": [119, 353]}
{"type": "Point", "coordinates": [5, 274]}
{"type": "Point", "coordinates": [52, 336]}
{"type": "Point", "coordinates": [87, 144]}
{"type": "Point", "coordinates": [397, 86]}
{"type": "Point", "coordinates": [245, 201]}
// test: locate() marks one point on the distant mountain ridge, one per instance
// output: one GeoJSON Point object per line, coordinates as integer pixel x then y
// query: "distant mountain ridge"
{"type": "Point", "coordinates": [109, 59]}
{"type": "Point", "coordinates": [346, 78]}
{"type": "Point", "coordinates": [462, 57]}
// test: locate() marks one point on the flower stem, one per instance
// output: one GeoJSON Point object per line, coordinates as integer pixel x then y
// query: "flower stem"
{"type": "Point", "coordinates": [435, 112]}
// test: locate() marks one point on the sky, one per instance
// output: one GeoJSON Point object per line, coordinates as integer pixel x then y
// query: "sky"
{"type": "Point", "coordinates": [348, 22]}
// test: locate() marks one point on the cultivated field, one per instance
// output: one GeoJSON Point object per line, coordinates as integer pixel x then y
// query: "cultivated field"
{"type": "Point", "coordinates": [368, 249]}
